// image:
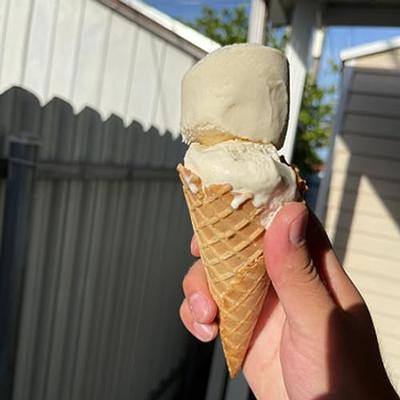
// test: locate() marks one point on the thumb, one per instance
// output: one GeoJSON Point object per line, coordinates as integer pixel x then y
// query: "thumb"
{"type": "Point", "coordinates": [304, 297]}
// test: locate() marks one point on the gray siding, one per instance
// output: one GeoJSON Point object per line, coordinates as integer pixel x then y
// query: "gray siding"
{"type": "Point", "coordinates": [363, 208]}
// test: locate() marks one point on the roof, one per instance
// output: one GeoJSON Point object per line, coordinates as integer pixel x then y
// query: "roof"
{"type": "Point", "coordinates": [163, 25]}
{"type": "Point", "coordinates": [334, 12]}
{"type": "Point", "coordinates": [174, 26]}
{"type": "Point", "coordinates": [370, 48]}
{"type": "Point", "coordinates": [344, 12]}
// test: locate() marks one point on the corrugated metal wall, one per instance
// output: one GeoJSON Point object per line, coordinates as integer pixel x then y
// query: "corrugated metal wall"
{"type": "Point", "coordinates": [107, 254]}
{"type": "Point", "coordinates": [87, 54]}
{"type": "Point", "coordinates": [110, 231]}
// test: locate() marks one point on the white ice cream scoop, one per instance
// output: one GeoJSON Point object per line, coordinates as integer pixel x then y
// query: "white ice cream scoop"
{"type": "Point", "coordinates": [238, 91]}
{"type": "Point", "coordinates": [250, 168]}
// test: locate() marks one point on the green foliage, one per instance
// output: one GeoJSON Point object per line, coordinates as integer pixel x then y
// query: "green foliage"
{"type": "Point", "coordinates": [226, 27]}
{"type": "Point", "coordinates": [278, 38]}
{"type": "Point", "coordinates": [314, 127]}
{"type": "Point", "coordinates": [230, 26]}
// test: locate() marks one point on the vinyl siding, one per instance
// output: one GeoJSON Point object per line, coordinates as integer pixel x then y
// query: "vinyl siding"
{"type": "Point", "coordinates": [363, 206]}
{"type": "Point", "coordinates": [371, 125]}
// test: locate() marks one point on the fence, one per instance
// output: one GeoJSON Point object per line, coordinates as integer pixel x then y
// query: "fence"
{"type": "Point", "coordinates": [95, 242]}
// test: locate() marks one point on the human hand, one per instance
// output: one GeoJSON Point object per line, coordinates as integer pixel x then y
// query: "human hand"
{"type": "Point", "coordinates": [315, 338]}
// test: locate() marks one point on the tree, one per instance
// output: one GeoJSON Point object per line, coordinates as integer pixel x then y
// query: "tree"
{"type": "Point", "coordinates": [226, 27]}
{"type": "Point", "coordinates": [314, 127]}
{"type": "Point", "coordinates": [230, 26]}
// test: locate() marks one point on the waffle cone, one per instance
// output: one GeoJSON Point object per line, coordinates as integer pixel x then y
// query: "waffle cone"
{"type": "Point", "coordinates": [230, 243]}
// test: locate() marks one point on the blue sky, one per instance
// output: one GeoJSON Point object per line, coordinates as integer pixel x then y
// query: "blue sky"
{"type": "Point", "coordinates": [340, 38]}
{"type": "Point", "coordinates": [189, 9]}
{"type": "Point", "coordinates": [337, 38]}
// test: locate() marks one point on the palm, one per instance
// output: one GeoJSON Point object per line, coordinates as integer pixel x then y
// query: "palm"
{"type": "Point", "coordinates": [263, 362]}
{"type": "Point", "coordinates": [277, 351]}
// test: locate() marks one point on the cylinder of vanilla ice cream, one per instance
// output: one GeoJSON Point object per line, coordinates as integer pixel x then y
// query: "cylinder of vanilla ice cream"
{"type": "Point", "coordinates": [238, 91]}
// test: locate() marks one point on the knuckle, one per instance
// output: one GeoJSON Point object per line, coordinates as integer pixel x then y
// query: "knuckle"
{"type": "Point", "coordinates": [306, 266]}
{"type": "Point", "coordinates": [189, 276]}
{"type": "Point", "coordinates": [304, 271]}
{"type": "Point", "coordinates": [186, 281]}
{"type": "Point", "coordinates": [183, 314]}
{"type": "Point", "coordinates": [309, 271]}
{"type": "Point", "coordinates": [181, 309]}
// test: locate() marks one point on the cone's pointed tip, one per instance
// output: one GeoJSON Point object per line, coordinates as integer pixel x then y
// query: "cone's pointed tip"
{"type": "Point", "coordinates": [233, 368]}
{"type": "Point", "coordinates": [232, 374]}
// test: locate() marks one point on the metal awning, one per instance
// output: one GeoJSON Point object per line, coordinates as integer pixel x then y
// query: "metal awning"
{"type": "Point", "coordinates": [344, 12]}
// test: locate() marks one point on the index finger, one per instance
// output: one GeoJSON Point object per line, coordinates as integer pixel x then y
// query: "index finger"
{"type": "Point", "coordinates": [195, 288]}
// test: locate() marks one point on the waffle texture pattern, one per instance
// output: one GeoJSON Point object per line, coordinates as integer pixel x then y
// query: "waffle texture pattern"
{"type": "Point", "coordinates": [230, 242]}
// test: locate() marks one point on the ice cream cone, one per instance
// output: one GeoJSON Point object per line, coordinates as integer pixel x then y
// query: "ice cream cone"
{"type": "Point", "coordinates": [230, 242]}
{"type": "Point", "coordinates": [235, 105]}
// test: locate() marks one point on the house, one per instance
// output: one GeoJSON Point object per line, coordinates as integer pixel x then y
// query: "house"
{"type": "Point", "coordinates": [360, 195]}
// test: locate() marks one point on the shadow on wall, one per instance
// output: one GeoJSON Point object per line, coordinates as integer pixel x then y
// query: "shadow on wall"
{"type": "Point", "coordinates": [368, 162]}
{"type": "Point", "coordinates": [96, 297]}
{"type": "Point", "coordinates": [84, 136]}
{"type": "Point", "coordinates": [354, 201]}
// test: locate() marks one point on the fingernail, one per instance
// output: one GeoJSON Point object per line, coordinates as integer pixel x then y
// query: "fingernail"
{"type": "Point", "coordinates": [297, 231]}
{"type": "Point", "coordinates": [199, 307]}
{"type": "Point", "coordinates": [204, 332]}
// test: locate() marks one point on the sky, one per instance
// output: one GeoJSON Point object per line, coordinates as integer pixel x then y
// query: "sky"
{"type": "Point", "coordinates": [189, 9]}
{"type": "Point", "coordinates": [336, 39]}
